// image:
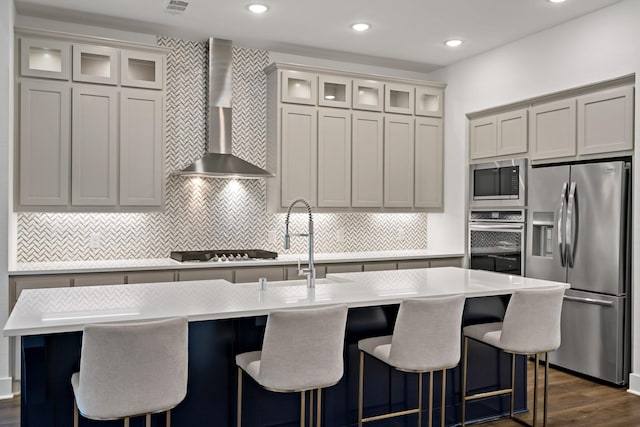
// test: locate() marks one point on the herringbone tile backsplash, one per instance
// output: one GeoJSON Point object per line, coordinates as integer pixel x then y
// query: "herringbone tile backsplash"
{"type": "Point", "coordinates": [208, 213]}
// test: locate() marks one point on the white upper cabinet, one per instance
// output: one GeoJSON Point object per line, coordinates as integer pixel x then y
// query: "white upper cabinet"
{"type": "Point", "coordinates": [605, 121]}
{"type": "Point", "coordinates": [94, 164]}
{"type": "Point", "coordinates": [141, 69]}
{"type": "Point", "coordinates": [482, 138]}
{"type": "Point", "coordinates": [429, 159]}
{"type": "Point", "coordinates": [398, 161]}
{"type": "Point", "coordinates": [429, 101]}
{"type": "Point", "coordinates": [299, 87]}
{"type": "Point", "coordinates": [334, 158]}
{"type": "Point", "coordinates": [44, 143]}
{"type": "Point", "coordinates": [141, 148]}
{"type": "Point", "coordinates": [398, 98]}
{"type": "Point", "coordinates": [334, 91]}
{"type": "Point", "coordinates": [512, 132]}
{"type": "Point", "coordinates": [368, 95]}
{"type": "Point", "coordinates": [95, 64]}
{"type": "Point", "coordinates": [367, 162]}
{"type": "Point", "coordinates": [553, 130]}
{"type": "Point", "coordinates": [299, 154]}
{"type": "Point", "coordinates": [45, 58]}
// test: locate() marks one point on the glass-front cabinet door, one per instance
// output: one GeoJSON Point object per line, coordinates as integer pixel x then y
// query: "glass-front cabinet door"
{"type": "Point", "coordinates": [398, 99]}
{"type": "Point", "coordinates": [95, 64]}
{"type": "Point", "coordinates": [368, 95]}
{"type": "Point", "coordinates": [299, 87]}
{"type": "Point", "coordinates": [45, 58]}
{"type": "Point", "coordinates": [334, 91]}
{"type": "Point", "coordinates": [429, 101]}
{"type": "Point", "coordinates": [141, 69]}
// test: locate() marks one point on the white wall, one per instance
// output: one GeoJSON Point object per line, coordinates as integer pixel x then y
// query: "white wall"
{"type": "Point", "coordinates": [599, 46]}
{"type": "Point", "coordinates": [7, 14]}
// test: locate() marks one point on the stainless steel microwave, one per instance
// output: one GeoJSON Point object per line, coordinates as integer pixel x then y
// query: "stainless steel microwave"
{"type": "Point", "coordinates": [498, 184]}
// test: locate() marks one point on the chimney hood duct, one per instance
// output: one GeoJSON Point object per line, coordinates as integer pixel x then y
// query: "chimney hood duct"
{"type": "Point", "coordinates": [219, 162]}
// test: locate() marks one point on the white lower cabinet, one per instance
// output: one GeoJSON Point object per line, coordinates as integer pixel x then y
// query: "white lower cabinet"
{"type": "Point", "coordinates": [45, 145]}
{"type": "Point", "coordinates": [398, 161]}
{"type": "Point", "coordinates": [94, 163]}
{"type": "Point", "coordinates": [141, 148]}
{"type": "Point", "coordinates": [334, 158]}
{"type": "Point", "coordinates": [367, 160]}
{"type": "Point", "coordinates": [429, 160]}
{"type": "Point", "coordinates": [299, 154]}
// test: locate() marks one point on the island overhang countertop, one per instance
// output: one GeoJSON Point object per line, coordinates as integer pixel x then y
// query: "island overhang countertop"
{"type": "Point", "coordinates": [47, 311]}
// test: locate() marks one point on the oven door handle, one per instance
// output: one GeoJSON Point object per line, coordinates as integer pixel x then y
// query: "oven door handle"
{"type": "Point", "coordinates": [496, 227]}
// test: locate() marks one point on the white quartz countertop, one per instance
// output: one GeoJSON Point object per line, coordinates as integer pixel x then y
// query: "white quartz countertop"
{"type": "Point", "coordinates": [72, 267]}
{"type": "Point", "coordinates": [46, 311]}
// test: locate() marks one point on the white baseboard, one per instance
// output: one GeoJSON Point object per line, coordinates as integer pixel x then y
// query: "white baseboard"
{"type": "Point", "coordinates": [634, 384]}
{"type": "Point", "coordinates": [6, 388]}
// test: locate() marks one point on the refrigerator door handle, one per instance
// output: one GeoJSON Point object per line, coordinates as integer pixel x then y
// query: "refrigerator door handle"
{"type": "Point", "coordinates": [589, 301]}
{"type": "Point", "coordinates": [561, 242]}
{"type": "Point", "coordinates": [572, 225]}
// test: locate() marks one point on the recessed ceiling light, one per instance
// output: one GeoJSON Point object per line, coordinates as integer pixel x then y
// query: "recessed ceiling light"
{"type": "Point", "coordinates": [453, 43]}
{"type": "Point", "coordinates": [556, 1]}
{"type": "Point", "coordinates": [258, 8]}
{"type": "Point", "coordinates": [330, 97]}
{"type": "Point", "coordinates": [361, 26]}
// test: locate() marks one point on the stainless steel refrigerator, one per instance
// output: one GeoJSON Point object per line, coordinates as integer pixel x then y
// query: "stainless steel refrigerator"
{"type": "Point", "coordinates": [579, 231]}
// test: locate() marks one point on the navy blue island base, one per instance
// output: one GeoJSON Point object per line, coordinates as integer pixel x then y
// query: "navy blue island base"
{"type": "Point", "coordinates": [49, 360]}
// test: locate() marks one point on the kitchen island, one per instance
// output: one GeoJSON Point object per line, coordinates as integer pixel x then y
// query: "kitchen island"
{"type": "Point", "coordinates": [226, 319]}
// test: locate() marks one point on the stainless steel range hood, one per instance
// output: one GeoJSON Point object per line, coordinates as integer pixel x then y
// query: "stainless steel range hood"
{"type": "Point", "coordinates": [219, 162]}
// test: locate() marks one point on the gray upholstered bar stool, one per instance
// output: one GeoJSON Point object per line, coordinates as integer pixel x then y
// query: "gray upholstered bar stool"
{"type": "Point", "coordinates": [531, 326]}
{"type": "Point", "coordinates": [426, 338]}
{"type": "Point", "coordinates": [131, 369]}
{"type": "Point", "coordinates": [302, 350]}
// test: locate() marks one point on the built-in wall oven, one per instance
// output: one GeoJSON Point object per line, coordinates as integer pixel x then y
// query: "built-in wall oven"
{"type": "Point", "coordinates": [496, 239]}
{"type": "Point", "coordinates": [498, 183]}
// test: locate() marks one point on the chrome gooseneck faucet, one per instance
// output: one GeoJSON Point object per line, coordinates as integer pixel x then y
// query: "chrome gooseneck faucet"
{"type": "Point", "coordinates": [310, 272]}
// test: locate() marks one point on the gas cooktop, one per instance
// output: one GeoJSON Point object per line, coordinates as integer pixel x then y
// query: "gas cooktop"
{"type": "Point", "coordinates": [223, 255]}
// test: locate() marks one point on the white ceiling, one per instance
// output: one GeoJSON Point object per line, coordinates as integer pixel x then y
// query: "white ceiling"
{"type": "Point", "coordinates": [406, 34]}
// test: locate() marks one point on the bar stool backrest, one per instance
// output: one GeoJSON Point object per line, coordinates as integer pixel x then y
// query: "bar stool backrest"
{"type": "Point", "coordinates": [532, 321]}
{"type": "Point", "coordinates": [303, 349]}
{"type": "Point", "coordinates": [131, 369]}
{"type": "Point", "coordinates": [427, 332]}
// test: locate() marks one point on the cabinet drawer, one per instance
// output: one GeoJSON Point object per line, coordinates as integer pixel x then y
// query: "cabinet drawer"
{"type": "Point", "coordinates": [344, 268]}
{"type": "Point", "coordinates": [292, 272]}
{"type": "Point", "coordinates": [38, 283]}
{"type": "Point", "coordinates": [446, 262]}
{"type": "Point", "coordinates": [206, 274]}
{"type": "Point", "coordinates": [409, 265]}
{"type": "Point", "coordinates": [380, 266]}
{"type": "Point", "coordinates": [96, 279]}
{"type": "Point", "coordinates": [246, 275]}
{"type": "Point", "coordinates": [150, 276]}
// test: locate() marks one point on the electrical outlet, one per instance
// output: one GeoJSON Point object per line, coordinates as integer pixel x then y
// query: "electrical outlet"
{"type": "Point", "coordinates": [271, 237]}
{"type": "Point", "coordinates": [400, 235]}
{"type": "Point", "coordinates": [340, 235]}
{"type": "Point", "coordinates": [95, 241]}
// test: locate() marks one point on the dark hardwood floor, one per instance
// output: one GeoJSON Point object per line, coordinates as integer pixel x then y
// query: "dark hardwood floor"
{"type": "Point", "coordinates": [573, 401]}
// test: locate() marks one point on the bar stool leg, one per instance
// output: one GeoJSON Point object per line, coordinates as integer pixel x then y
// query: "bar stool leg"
{"type": "Point", "coordinates": [302, 409]}
{"type": "Point", "coordinates": [464, 380]}
{"type": "Point", "coordinates": [443, 410]}
{"type": "Point", "coordinates": [310, 424]}
{"type": "Point", "coordinates": [513, 382]}
{"type": "Point", "coordinates": [546, 387]}
{"type": "Point", "coordinates": [535, 391]}
{"type": "Point", "coordinates": [168, 421]}
{"type": "Point", "coordinates": [360, 389]}
{"type": "Point", "coordinates": [148, 420]}
{"type": "Point", "coordinates": [239, 413]}
{"type": "Point", "coordinates": [319, 408]}
{"type": "Point", "coordinates": [430, 423]}
{"type": "Point", "coordinates": [126, 422]}
{"type": "Point", "coordinates": [75, 413]}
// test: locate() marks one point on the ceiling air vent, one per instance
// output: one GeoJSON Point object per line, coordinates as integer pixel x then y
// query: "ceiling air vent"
{"type": "Point", "coordinates": [175, 6]}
